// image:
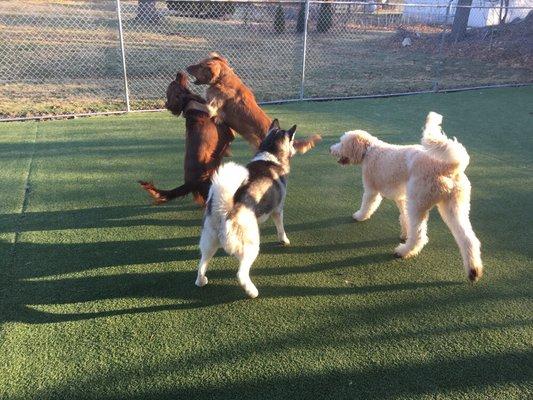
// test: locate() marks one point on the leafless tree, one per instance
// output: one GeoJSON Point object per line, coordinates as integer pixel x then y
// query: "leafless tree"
{"type": "Point", "coordinates": [147, 12]}
{"type": "Point", "coordinates": [460, 21]}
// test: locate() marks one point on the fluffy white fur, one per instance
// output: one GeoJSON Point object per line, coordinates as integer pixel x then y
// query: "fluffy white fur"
{"type": "Point", "coordinates": [416, 177]}
{"type": "Point", "coordinates": [237, 235]}
{"type": "Point", "coordinates": [220, 231]}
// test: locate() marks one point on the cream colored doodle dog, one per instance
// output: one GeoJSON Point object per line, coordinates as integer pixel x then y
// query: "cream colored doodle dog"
{"type": "Point", "coordinates": [416, 177]}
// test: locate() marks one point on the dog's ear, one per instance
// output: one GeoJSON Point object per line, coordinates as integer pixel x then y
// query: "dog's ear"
{"type": "Point", "coordinates": [215, 56]}
{"type": "Point", "coordinates": [182, 80]}
{"type": "Point", "coordinates": [175, 101]}
{"type": "Point", "coordinates": [355, 145]}
{"type": "Point", "coordinates": [291, 132]}
{"type": "Point", "coordinates": [215, 70]}
{"type": "Point", "coordinates": [274, 125]}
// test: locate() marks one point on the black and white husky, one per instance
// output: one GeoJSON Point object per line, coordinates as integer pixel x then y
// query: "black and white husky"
{"type": "Point", "coordinates": [242, 197]}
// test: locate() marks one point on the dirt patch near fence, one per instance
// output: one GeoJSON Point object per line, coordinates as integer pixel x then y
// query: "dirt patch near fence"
{"type": "Point", "coordinates": [507, 44]}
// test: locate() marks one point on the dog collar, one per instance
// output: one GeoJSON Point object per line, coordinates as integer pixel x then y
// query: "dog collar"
{"type": "Point", "coordinates": [266, 156]}
{"type": "Point", "coordinates": [194, 105]}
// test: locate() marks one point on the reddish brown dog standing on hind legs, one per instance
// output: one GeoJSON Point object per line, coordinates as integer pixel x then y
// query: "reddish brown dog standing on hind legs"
{"type": "Point", "coordinates": [233, 103]}
{"type": "Point", "coordinates": [206, 144]}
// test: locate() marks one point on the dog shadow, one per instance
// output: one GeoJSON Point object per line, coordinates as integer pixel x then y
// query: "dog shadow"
{"type": "Point", "coordinates": [30, 291]}
{"type": "Point", "coordinates": [29, 300]}
{"type": "Point", "coordinates": [99, 217]}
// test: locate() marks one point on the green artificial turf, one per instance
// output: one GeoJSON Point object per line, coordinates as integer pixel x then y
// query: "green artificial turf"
{"type": "Point", "coordinates": [97, 287]}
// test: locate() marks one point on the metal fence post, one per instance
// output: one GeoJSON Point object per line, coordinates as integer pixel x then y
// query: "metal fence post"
{"type": "Point", "coordinates": [438, 70]}
{"type": "Point", "coordinates": [123, 55]}
{"type": "Point", "coordinates": [306, 21]}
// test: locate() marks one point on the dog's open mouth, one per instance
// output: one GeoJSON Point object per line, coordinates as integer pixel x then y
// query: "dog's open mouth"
{"type": "Point", "coordinates": [343, 160]}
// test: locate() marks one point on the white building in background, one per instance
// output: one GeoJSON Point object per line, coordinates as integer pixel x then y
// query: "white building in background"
{"type": "Point", "coordinates": [487, 14]}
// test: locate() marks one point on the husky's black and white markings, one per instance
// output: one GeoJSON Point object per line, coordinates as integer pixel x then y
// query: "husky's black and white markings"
{"type": "Point", "coordinates": [242, 197]}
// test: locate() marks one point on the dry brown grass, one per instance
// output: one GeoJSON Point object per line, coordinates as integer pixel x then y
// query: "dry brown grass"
{"type": "Point", "coordinates": [63, 57]}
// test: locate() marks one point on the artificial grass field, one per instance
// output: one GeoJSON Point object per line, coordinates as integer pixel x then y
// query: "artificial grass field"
{"type": "Point", "coordinates": [97, 287]}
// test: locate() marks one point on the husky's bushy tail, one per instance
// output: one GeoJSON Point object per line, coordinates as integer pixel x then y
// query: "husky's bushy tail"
{"type": "Point", "coordinates": [224, 183]}
{"type": "Point", "coordinates": [232, 229]}
{"type": "Point", "coordinates": [439, 146]}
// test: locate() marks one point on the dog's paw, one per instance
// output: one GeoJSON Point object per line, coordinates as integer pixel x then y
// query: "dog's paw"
{"type": "Point", "coordinates": [302, 146]}
{"type": "Point", "coordinates": [475, 274]}
{"type": "Point", "coordinates": [284, 241]}
{"type": "Point", "coordinates": [251, 292]}
{"type": "Point", "coordinates": [358, 216]}
{"type": "Point", "coordinates": [157, 196]}
{"type": "Point", "coordinates": [201, 281]}
{"type": "Point", "coordinates": [401, 251]}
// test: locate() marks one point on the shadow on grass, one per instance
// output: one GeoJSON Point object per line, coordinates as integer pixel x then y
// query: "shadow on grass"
{"type": "Point", "coordinates": [25, 297]}
{"type": "Point", "coordinates": [379, 382]}
{"type": "Point", "coordinates": [99, 217]}
{"type": "Point", "coordinates": [33, 282]}
{"type": "Point", "coordinates": [394, 379]}
{"type": "Point", "coordinates": [130, 216]}
{"type": "Point", "coordinates": [33, 278]}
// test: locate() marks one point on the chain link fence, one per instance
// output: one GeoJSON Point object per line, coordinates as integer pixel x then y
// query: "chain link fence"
{"type": "Point", "coordinates": [71, 57]}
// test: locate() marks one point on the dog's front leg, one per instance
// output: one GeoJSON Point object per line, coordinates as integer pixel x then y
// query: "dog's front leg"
{"type": "Point", "coordinates": [214, 108]}
{"type": "Point", "coordinates": [402, 204]}
{"type": "Point", "coordinates": [277, 216]}
{"type": "Point", "coordinates": [416, 232]}
{"type": "Point", "coordinates": [369, 204]}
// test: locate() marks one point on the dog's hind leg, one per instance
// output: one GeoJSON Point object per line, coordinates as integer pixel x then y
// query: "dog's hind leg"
{"type": "Point", "coordinates": [277, 216]}
{"type": "Point", "coordinates": [247, 258]}
{"type": "Point", "coordinates": [209, 245]}
{"type": "Point", "coordinates": [369, 204]}
{"type": "Point", "coordinates": [416, 232]}
{"type": "Point", "coordinates": [456, 215]}
{"type": "Point", "coordinates": [201, 192]}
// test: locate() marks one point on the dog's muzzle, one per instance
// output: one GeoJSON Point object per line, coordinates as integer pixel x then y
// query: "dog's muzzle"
{"type": "Point", "coordinates": [334, 150]}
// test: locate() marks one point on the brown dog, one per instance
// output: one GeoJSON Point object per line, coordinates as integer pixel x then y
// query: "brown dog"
{"type": "Point", "coordinates": [205, 146]}
{"type": "Point", "coordinates": [234, 103]}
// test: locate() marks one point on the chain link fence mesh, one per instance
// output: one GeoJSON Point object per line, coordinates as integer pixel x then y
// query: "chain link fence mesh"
{"type": "Point", "coordinates": [59, 57]}
{"type": "Point", "coordinates": [64, 56]}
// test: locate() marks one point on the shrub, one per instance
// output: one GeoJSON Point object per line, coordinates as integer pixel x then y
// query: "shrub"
{"type": "Point", "coordinates": [325, 17]}
{"type": "Point", "coordinates": [279, 20]}
{"type": "Point", "coordinates": [300, 25]}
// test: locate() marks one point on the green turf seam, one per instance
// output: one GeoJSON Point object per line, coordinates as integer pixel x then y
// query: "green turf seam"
{"type": "Point", "coordinates": [25, 200]}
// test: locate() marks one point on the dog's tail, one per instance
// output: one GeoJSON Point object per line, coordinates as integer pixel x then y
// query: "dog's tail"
{"type": "Point", "coordinates": [439, 146]}
{"type": "Point", "coordinates": [224, 184]}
